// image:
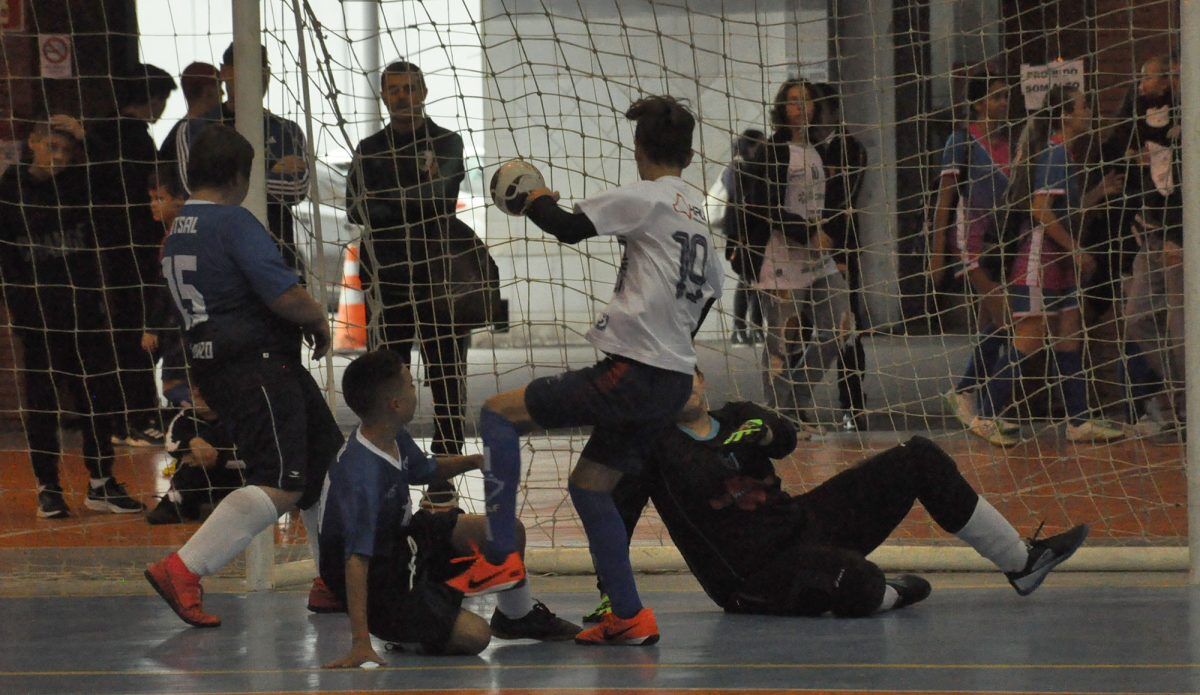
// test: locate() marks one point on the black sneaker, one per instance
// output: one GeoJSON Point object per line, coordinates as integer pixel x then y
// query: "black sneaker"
{"type": "Point", "coordinates": [911, 589]}
{"type": "Point", "coordinates": [51, 503]}
{"type": "Point", "coordinates": [167, 512]}
{"type": "Point", "coordinates": [1045, 555]}
{"type": "Point", "coordinates": [111, 497]}
{"type": "Point", "coordinates": [538, 624]}
{"type": "Point", "coordinates": [147, 437]}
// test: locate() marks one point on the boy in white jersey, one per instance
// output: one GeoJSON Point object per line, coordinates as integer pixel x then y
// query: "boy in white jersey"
{"type": "Point", "coordinates": [670, 275]}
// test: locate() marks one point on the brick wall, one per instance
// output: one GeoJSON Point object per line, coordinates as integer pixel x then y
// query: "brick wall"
{"type": "Point", "coordinates": [1114, 36]}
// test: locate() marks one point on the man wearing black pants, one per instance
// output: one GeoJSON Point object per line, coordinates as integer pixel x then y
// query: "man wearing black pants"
{"type": "Point", "coordinates": [403, 188]}
{"type": "Point", "coordinates": [50, 265]}
{"type": "Point", "coordinates": [122, 154]}
{"type": "Point", "coordinates": [756, 549]}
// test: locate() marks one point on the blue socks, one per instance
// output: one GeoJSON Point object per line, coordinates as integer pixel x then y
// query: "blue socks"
{"type": "Point", "coordinates": [501, 475]}
{"type": "Point", "coordinates": [610, 548]}
{"type": "Point", "coordinates": [1074, 385]}
{"type": "Point", "coordinates": [983, 359]}
{"type": "Point", "coordinates": [1005, 371]}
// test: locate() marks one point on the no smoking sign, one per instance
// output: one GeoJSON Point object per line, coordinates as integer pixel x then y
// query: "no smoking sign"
{"type": "Point", "coordinates": [54, 52]}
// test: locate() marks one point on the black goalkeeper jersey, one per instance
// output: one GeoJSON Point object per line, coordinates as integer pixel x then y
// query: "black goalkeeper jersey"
{"type": "Point", "coordinates": [719, 496]}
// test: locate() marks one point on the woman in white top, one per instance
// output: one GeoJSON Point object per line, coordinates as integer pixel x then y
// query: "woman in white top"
{"type": "Point", "coordinates": [799, 281]}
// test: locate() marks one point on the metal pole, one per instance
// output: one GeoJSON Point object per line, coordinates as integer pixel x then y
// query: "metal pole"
{"type": "Point", "coordinates": [314, 196]}
{"type": "Point", "coordinates": [248, 98]}
{"type": "Point", "coordinates": [1190, 119]}
{"type": "Point", "coordinates": [371, 62]}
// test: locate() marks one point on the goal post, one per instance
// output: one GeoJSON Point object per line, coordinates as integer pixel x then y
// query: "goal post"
{"type": "Point", "coordinates": [549, 82]}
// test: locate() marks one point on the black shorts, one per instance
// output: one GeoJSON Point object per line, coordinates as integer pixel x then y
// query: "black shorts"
{"type": "Point", "coordinates": [408, 602]}
{"type": "Point", "coordinates": [278, 419]}
{"type": "Point", "coordinates": [626, 402]}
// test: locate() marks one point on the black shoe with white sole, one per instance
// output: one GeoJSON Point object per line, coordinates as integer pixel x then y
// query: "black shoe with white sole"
{"type": "Point", "coordinates": [1045, 555]}
{"type": "Point", "coordinates": [111, 497]}
{"type": "Point", "coordinates": [910, 588]}
{"type": "Point", "coordinates": [538, 624]}
{"type": "Point", "coordinates": [51, 503]}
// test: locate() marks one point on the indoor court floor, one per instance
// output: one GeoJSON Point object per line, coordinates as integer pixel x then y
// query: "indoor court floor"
{"type": "Point", "coordinates": [1080, 633]}
{"type": "Point", "coordinates": [76, 615]}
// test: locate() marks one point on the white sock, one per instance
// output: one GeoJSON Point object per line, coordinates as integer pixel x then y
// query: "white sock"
{"type": "Point", "coordinates": [994, 538]}
{"type": "Point", "coordinates": [97, 483]}
{"type": "Point", "coordinates": [311, 518]}
{"type": "Point", "coordinates": [890, 596]}
{"type": "Point", "coordinates": [516, 602]}
{"type": "Point", "coordinates": [175, 496]}
{"type": "Point", "coordinates": [236, 520]}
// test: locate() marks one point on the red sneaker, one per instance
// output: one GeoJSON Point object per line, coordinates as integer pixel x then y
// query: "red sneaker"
{"type": "Point", "coordinates": [180, 588]}
{"type": "Point", "coordinates": [483, 577]}
{"type": "Point", "coordinates": [322, 600]}
{"type": "Point", "coordinates": [639, 631]}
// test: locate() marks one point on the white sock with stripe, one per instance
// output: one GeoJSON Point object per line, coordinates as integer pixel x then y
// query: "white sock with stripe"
{"type": "Point", "coordinates": [233, 524]}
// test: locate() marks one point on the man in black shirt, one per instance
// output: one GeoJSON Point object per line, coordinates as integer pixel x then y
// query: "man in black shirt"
{"type": "Point", "coordinates": [403, 189]}
{"type": "Point", "coordinates": [53, 288]}
{"type": "Point", "coordinates": [757, 549]}
{"type": "Point", "coordinates": [122, 154]}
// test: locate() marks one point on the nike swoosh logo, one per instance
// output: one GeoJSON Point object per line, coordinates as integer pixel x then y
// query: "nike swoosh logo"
{"type": "Point", "coordinates": [475, 584]}
{"type": "Point", "coordinates": [614, 635]}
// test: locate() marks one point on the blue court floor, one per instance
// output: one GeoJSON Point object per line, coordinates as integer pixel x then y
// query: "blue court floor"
{"type": "Point", "coordinates": [1080, 633]}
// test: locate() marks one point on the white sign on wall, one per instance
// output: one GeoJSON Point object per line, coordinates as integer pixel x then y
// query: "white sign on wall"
{"type": "Point", "coordinates": [54, 53]}
{"type": "Point", "coordinates": [1036, 80]}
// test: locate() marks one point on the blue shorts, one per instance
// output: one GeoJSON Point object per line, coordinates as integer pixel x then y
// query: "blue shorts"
{"type": "Point", "coordinates": [1039, 301]}
{"type": "Point", "coordinates": [626, 402]}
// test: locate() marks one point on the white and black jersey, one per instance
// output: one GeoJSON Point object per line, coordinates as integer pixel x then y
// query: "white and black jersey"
{"type": "Point", "coordinates": [788, 264]}
{"type": "Point", "coordinates": [670, 270]}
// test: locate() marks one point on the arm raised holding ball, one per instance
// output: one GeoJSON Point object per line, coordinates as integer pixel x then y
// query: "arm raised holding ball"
{"type": "Point", "coordinates": [519, 189]}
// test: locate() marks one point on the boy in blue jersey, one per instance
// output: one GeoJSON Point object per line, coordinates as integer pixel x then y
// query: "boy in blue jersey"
{"type": "Point", "coordinates": [243, 313]}
{"type": "Point", "coordinates": [388, 564]}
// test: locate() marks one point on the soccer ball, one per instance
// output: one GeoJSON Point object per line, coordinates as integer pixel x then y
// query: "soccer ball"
{"type": "Point", "coordinates": [512, 183]}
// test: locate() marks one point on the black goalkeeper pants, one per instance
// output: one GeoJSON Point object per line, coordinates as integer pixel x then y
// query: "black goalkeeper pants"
{"type": "Point", "coordinates": [847, 517]}
{"type": "Point", "coordinates": [80, 362]}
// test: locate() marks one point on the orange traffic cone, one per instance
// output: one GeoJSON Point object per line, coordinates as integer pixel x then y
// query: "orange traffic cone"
{"type": "Point", "coordinates": [350, 326]}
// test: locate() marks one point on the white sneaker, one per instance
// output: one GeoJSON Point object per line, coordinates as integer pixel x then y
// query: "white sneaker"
{"type": "Point", "coordinates": [1008, 427]}
{"type": "Point", "coordinates": [1093, 431]}
{"type": "Point", "coordinates": [989, 431]}
{"type": "Point", "coordinates": [1146, 426]}
{"type": "Point", "coordinates": [962, 406]}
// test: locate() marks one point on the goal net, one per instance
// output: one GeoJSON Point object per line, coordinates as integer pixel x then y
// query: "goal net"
{"type": "Point", "coordinates": [885, 86]}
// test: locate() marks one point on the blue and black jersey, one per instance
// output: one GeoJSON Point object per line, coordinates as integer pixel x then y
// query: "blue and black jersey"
{"type": "Point", "coordinates": [224, 270]}
{"type": "Point", "coordinates": [366, 501]}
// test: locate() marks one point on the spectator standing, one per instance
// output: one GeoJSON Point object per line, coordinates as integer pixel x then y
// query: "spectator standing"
{"type": "Point", "coordinates": [845, 162]}
{"type": "Point", "coordinates": [201, 87]}
{"type": "Point", "coordinates": [403, 189]}
{"type": "Point", "coordinates": [1046, 204]}
{"type": "Point", "coordinates": [287, 166]}
{"type": "Point", "coordinates": [124, 158]}
{"type": "Point", "coordinates": [54, 291]}
{"type": "Point", "coordinates": [974, 178]}
{"type": "Point", "coordinates": [799, 281]}
{"type": "Point", "coordinates": [747, 314]}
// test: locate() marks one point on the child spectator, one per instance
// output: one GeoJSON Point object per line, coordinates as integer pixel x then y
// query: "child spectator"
{"type": "Point", "coordinates": [205, 465]}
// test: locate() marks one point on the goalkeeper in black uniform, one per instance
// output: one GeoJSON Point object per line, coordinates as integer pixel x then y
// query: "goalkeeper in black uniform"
{"type": "Point", "coordinates": [757, 549]}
